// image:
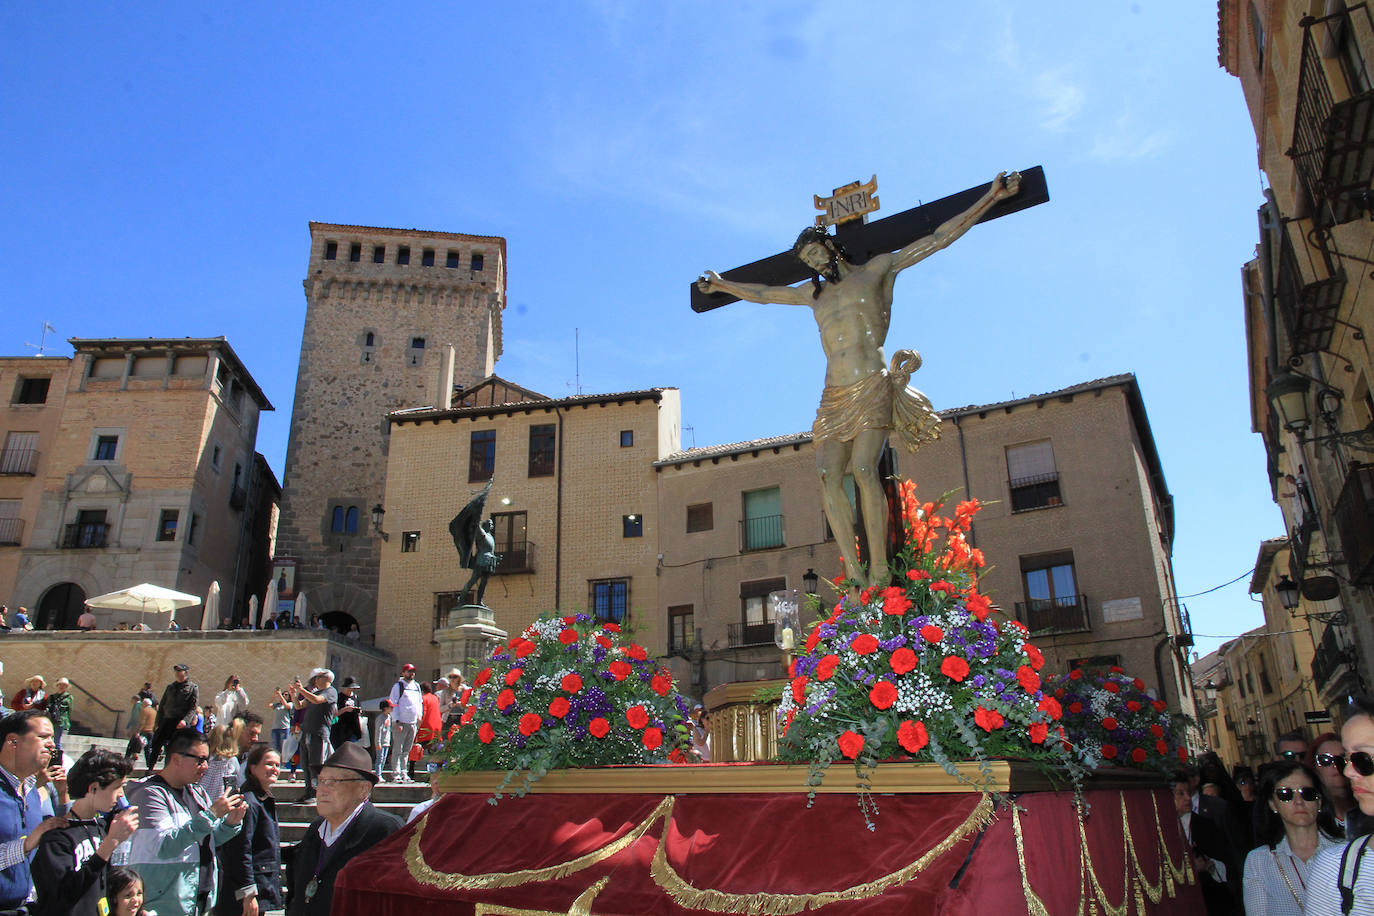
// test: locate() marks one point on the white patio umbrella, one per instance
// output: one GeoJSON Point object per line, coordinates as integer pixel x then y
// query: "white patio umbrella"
{"type": "Point", "coordinates": [298, 612]}
{"type": "Point", "coordinates": [211, 611]}
{"type": "Point", "coordinates": [144, 598]}
{"type": "Point", "coordinates": [253, 612]}
{"type": "Point", "coordinates": [269, 603]}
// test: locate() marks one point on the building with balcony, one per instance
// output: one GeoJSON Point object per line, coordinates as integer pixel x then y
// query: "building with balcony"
{"type": "Point", "coordinates": [1304, 72]}
{"type": "Point", "coordinates": [146, 472]}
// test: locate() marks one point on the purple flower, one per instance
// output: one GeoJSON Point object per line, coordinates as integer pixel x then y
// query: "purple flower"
{"type": "Point", "coordinates": [979, 680]}
{"type": "Point", "coordinates": [896, 642]}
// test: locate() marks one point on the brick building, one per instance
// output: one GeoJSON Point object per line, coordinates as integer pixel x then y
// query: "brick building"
{"type": "Point", "coordinates": [144, 470]}
{"type": "Point", "coordinates": [382, 307]}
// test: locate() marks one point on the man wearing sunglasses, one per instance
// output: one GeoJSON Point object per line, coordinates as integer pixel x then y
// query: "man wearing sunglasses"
{"type": "Point", "coordinates": [1291, 746]}
{"type": "Point", "coordinates": [173, 849]}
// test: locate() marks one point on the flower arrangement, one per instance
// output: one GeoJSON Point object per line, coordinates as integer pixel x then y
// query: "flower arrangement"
{"type": "Point", "coordinates": [1110, 720]}
{"type": "Point", "coordinates": [568, 692]}
{"type": "Point", "coordinates": [923, 669]}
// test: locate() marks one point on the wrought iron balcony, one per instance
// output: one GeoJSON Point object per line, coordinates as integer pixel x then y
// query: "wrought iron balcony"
{"type": "Point", "coordinates": [1067, 614]}
{"type": "Point", "coordinates": [1333, 126]}
{"type": "Point", "coordinates": [684, 644]}
{"type": "Point", "coordinates": [516, 557]}
{"type": "Point", "coordinates": [761, 533]}
{"type": "Point", "coordinates": [83, 537]}
{"type": "Point", "coordinates": [22, 461]}
{"type": "Point", "coordinates": [750, 634]}
{"type": "Point", "coordinates": [1355, 524]}
{"type": "Point", "coordinates": [11, 531]}
{"type": "Point", "coordinates": [1308, 303]}
{"type": "Point", "coordinates": [1332, 660]}
{"type": "Point", "coordinates": [1038, 492]}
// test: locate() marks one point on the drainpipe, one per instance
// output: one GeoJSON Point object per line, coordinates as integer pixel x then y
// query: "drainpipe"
{"type": "Point", "coordinates": [1269, 223]}
{"type": "Point", "coordinates": [558, 522]}
{"type": "Point", "coordinates": [963, 463]}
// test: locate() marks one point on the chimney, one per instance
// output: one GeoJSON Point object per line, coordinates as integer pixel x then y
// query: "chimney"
{"type": "Point", "coordinates": [444, 400]}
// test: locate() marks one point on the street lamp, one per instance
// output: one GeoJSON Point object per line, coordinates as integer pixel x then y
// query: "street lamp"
{"type": "Point", "coordinates": [1288, 390]}
{"type": "Point", "coordinates": [811, 582]}
{"type": "Point", "coordinates": [377, 513]}
{"type": "Point", "coordinates": [1287, 591]}
{"type": "Point", "coordinates": [1209, 690]}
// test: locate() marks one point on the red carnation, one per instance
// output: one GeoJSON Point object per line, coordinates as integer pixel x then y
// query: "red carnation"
{"type": "Point", "coordinates": [637, 716]}
{"type": "Point", "coordinates": [916, 575]}
{"type": "Point", "coordinates": [1076, 674]}
{"type": "Point", "coordinates": [598, 727]}
{"type": "Point", "coordinates": [525, 648]}
{"type": "Point", "coordinates": [902, 661]}
{"type": "Point", "coordinates": [513, 675]}
{"type": "Point", "coordinates": [1075, 707]}
{"type": "Point", "coordinates": [1028, 679]}
{"type": "Point", "coordinates": [652, 738]}
{"type": "Point", "coordinates": [1157, 705]}
{"type": "Point", "coordinates": [571, 683]}
{"type": "Point", "coordinates": [1038, 732]}
{"type": "Point", "coordinates": [1133, 705]}
{"type": "Point", "coordinates": [1109, 724]}
{"type": "Point", "coordinates": [559, 707]}
{"type": "Point", "coordinates": [1157, 730]}
{"type": "Point", "coordinates": [529, 723]}
{"type": "Point", "coordinates": [850, 743]}
{"type": "Point", "coordinates": [1138, 684]}
{"type": "Point", "coordinates": [504, 699]}
{"type": "Point", "coordinates": [865, 644]}
{"type": "Point", "coordinates": [883, 695]}
{"type": "Point", "coordinates": [619, 670]}
{"type": "Point", "coordinates": [1111, 686]}
{"type": "Point", "coordinates": [467, 695]}
{"type": "Point", "coordinates": [637, 652]}
{"type": "Point", "coordinates": [978, 605]}
{"type": "Point", "coordinates": [569, 620]}
{"type": "Point", "coordinates": [567, 637]}
{"type": "Point", "coordinates": [895, 601]}
{"type": "Point", "coordinates": [1037, 659]}
{"type": "Point", "coordinates": [1109, 751]}
{"type": "Point", "coordinates": [485, 733]}
{"type": "Point", "coordinates": [482, 677]}
{"type": "Point", "coordinates": [604, 641]}
{"type": "Point", "coordinates": [826, 667]}
{"type": "Point", "coordinates": [988, 719]}
{"type": "Point", "coordinates": [468, 715]}
{"type": "Point", "coordinates": [1050, 707]}
{"type": "Point", "coordinates": [661, 684]}
{"type": "Point", "coordinates": [912, 735]}
{"type": "Point", "coordinates": [1138, 755]}
{"type": "Point", "coordinates": [613, 627]}
{"type": "Point", "coordinates": [1183, 754]}
{"type": "Point", "coordinates": [814, 639]}
{"type": "Point", "coordinates": [1117, 669]}
{"type": "Point", "coordinates": [954, 668]}
{"type": "Point", "coordinates": [799, 690]}
{"type": "Point", "coordinates": [931, 633]}
{"type": "Point", "coordinates": [1161, 747]}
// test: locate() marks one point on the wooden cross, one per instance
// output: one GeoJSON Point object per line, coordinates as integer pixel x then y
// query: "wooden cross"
{"type": "Point", "coordinates": [863, 240]}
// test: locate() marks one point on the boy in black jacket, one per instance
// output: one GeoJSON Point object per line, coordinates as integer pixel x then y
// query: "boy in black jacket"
{"type": "Point", "coordinates": [70, 863]}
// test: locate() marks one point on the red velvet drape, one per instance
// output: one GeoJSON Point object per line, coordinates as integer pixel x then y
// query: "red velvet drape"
{"type": "Point", "coordinates": [774, 844]}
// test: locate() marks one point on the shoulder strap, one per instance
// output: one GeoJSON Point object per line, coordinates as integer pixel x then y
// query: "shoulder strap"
{"type": "Point", "coordinates": [1348, 892]}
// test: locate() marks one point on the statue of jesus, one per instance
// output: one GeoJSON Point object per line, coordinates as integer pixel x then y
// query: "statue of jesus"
{"type": "Point", "coordinates": [864, 398]}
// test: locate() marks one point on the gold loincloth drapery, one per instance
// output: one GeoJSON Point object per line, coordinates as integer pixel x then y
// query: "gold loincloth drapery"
{"type": "Point", "coordinates": [880, 401]}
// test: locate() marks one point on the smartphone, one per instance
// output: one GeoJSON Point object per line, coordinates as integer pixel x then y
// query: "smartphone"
{"type": "Point", "coordinates": [121, 804]}
{"type": "Point", "coordinates": [231, 786]}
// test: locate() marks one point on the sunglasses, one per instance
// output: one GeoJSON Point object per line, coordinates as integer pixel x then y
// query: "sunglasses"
{"type": "Point", "coordinates": [1330, 760]}
{"type": "Point", "coordinates": [1306, 793]}
{"type": "Point", "coordinates": [1290, 755]}
{"type": "Point", "coordinates": [1362, 762]}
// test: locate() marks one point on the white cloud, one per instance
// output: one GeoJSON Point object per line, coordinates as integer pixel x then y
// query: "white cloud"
{"type": "Point", "coordinates": [1059, 98]}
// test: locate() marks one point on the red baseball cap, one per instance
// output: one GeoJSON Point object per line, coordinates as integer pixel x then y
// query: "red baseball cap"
{"type": "Point", "coordinates": [407, 667]}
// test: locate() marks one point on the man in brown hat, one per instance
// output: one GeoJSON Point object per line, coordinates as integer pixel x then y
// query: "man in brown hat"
{"type": "Point", "coordinates": [347, 826]}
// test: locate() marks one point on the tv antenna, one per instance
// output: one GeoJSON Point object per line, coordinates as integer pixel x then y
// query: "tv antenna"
{"type": "Point", "coordinates": [42, 344]}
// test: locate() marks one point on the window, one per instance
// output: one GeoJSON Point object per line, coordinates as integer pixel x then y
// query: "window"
{"type": "Point", "coordinates": [369, 339]}
{"type": "Point", "coordinates": [378, 254]}
{"type": "Point", "coordinates": [331, 250]}
{"type": "Point", "coordinates": [482, 456]}
{"type": "Point", "coordinates": [351, 520]}
{"type": "Point", "coordinates": [762, 525]}
{"type": "Point", "coordinates": [452, 260]}
{"type": "Point", "coordinates": [167, 525]}
{"type": "Point", "coordinates": [1257, 28]}
{"type": "Point", "coordinates": [343, 520]}
{"type": "Point", "coordinates": [89, 531]}
{"type": "Point", "coordinates": [11, 525]}
{"type": "Point", "coordinates": [410, 541]}
{"type": "Point", "coordinates": [682, 631]}
{"type": "Point", "coordinates": [627, 438]}
{"type": "Point", "coordinates": [355, 252]}
{"type": "Point", "coordinates": [609, 599]}
{"type": "Point", "coordinates": [403, 254]}
{"type": "Point", "coordinates": [106, 447]}
{"type": "Point", "coordinates": [477, 261]}
{"type": "Point", "coordinates": [336, 521]}
{"type": "Point", "coordinates": [417, 351]}
{"type": "Point", "coordinates": [216, 454]}
{"type": "Point", "coordinates": [511, 532]}
{"type": "Point", "coordinates": [542, 438]}
{"type": "Point", "coordinates": [700, 517]}
{"type": "Point", "coordinates": [417, 343]}
{"type": "Point", "coordinates": [32, 390]}
{"type": "Point", "coordinates": [1052, 599]}
{"type": "Point", "coordinates": [756, 622]}
{"type": "Point", "coordinates": [20, 455]}
{"type": "Point", "coordinates": [427, 257]}
{"type": "Point", "coordinates": [1032, 477]}
{"type": "Point", "coordinates": [191, 530]}
{"type": "Point", "coordinates": [633, 526]}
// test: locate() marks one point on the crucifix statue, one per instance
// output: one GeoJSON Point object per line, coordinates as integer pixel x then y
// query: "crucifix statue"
{"type": "Point", "coordinates": [850, 294]}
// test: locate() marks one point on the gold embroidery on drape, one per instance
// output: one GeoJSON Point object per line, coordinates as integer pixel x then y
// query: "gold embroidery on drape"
{"type": "Point", "coordinates": [1034, 905]}
{"type": "Point", "coordinates": [1136, 884]}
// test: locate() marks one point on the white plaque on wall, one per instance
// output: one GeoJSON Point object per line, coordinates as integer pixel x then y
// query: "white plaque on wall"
{"type": "Point", "coordinates": [1121, 609]}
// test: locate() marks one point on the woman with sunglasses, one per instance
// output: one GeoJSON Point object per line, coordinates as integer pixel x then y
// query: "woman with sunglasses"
{"type": "Point", "coordinates": [1327, 758]}
{"type": "Point", "coordinates": [1293, 829]}
{"type": "Point", "coordinates": [1341, 880]}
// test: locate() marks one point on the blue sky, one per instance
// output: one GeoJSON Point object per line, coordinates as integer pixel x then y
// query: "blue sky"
{"type": "Point", "coordinates": [160, 164]}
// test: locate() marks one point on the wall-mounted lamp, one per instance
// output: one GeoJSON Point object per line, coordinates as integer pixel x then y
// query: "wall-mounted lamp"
{"type": "Point", "coordinates": [1288, 391]}
{"type": "Point", "coordinates": [811, 582]}
{"type": "Point", "coordinates": [377, 513]}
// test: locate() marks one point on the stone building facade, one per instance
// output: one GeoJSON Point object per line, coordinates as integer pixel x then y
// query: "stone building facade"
{"type": "Point", "coordinates": [574, 499]}
{"type": "Point", "coordinates": [145, 477]}
{"type": "Point", "coordinates": [383, 306]}
{"type": "Point", "coordinates": [1304, 70]}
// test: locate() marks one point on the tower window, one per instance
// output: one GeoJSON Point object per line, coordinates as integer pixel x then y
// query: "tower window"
{"type": "Point", "coordinates": [427, 257]}
{"type": "Point", "coordinates": [452, 260]}
{"type": "Point", "coordinates": [370, 340]}
{"type": "Point", "coordinates": [331, 250]}
{"type": "Point", "coordinates": [403, 254]}
{"type": "Point", "coordinates": [477, 261]}
{"type": "Point", "coordinates": [355, 252]}
{"type": "Point", "coordinates": [378, 254]}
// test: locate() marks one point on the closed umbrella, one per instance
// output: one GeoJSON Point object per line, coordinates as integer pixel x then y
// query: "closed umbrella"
{"type": "Point", "coordinates": [269, 603]}
{"type": "Point", "coordinates": [211, 612]}
{"type": "Point", "coordinates": [144, 598]}
{"type": "Point", "coordinates": [253, 612]}
{"type": "Point", "coordinates": [298, 612]}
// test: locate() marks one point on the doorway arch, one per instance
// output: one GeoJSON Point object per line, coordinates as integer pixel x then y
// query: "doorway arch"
{"type": "Point", "coordinates": [60, 606]}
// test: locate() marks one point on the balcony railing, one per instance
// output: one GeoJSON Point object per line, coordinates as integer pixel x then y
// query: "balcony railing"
{"type": "Point", "coordinates": [19, 461]}
{"type": "Point", "coordinates": [82, 537]}
{"type": "Point", "coordinates": [516, 557]}
{"type": "Point", "coordinates": [11, 531]}
{"type": "Point", "coordinates": [1038, 492]}
{"type": "Point", "coordinates": [1067, 614]}
{"type": "Point", "coordinates": [1308, 305]}
{"type": "Point", "coordinates": [750, 634]}
{"type": "Point", "coordinates": [1333, 138]}
{"type": "Point", "coordinates": [683, 644]}
{"type": "Point", "coordinates": [761, 533]}
{"type": "Point", "coordinates": [1355, 524]}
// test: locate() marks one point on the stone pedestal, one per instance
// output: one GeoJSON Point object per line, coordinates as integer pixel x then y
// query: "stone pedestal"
{"type": "Point", "coordinates": [468, 639]}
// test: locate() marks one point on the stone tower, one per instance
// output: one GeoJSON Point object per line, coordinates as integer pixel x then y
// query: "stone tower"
{"type": "Point", "coordinates": [383, 307]}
